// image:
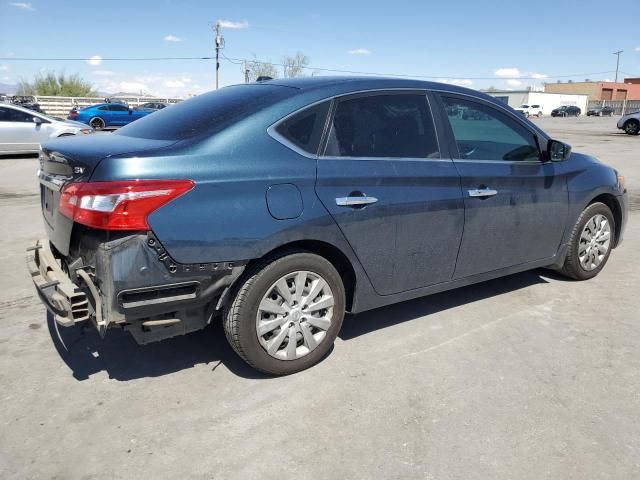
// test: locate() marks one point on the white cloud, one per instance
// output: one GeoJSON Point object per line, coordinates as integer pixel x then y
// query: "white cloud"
{"type": "Point", "coordinates": [637, 49]}
{"type": "Point", "coordinates": [513, 73]}
{"type": "Point", "coordinates": [95, 60]}
{"type": "Point", "coordinates": [173, 38]}
{"type": "Point", "coordinates": [235, 25]}
{"type": "Point", "coordinates": [102, 73]}
{"type": "Point", "coordinates": [507, 72]}
{"type": "Point", "coordinates": [133, 87]}
{"type": "Point", "coordinates": [174, 84]}
{"type": "Point", "coordinates": [463, 82]}
{"type": "Point", "coordinates": [359, 51]}
{"type": "Point", "coordinates": [512, 82]}
{"type": "Point", "coordinates": [23, 5]}
{"type": "Point", "coordinates": [3, 68]}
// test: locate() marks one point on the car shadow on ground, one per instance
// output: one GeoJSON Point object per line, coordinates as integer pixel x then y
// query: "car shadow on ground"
{"type": "Point", "coordinates": [85, 353]}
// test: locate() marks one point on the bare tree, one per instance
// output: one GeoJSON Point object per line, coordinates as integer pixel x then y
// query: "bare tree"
{"type": "Point", "coordinates": [295, 66]}
{"type": "Point", "coordinates": [260, 69]}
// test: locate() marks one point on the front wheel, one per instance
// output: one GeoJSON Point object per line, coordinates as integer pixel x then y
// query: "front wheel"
{"type": "Point", "coordinates": [286, 313]}
{"type": "Point", "coordinates": [631, 127]}
{"type": "Point", "coordinates": [590, 243]}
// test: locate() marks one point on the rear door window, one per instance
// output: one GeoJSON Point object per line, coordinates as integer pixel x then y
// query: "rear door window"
{"type": "Point", "coordinates": [304, 129]}
{"type": "Point", "coordinates": [389, 125]}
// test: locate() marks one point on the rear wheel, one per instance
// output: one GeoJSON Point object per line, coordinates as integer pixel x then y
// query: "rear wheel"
{"type": "Point", "coordinates": [631, 127]}
{"type": "Point", "coordinates": [97, 123]}
{"type": "Point", "coordinates": [591, 242]}
{"type": "Point", "coordinates": [286, 313]}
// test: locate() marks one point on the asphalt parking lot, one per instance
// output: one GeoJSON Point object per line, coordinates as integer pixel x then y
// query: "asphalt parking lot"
{"type": "Point", "coordinates": [528, 377]}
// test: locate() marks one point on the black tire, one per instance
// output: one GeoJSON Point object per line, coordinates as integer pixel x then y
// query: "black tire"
{"type": "Point", "coordinates": [631, 127]}
{"type": "Point", "coordinates": [97, 123]}
{"type": "Point", "coordinates": [240, 317]}
{"type": "Point", "coordinates": [572, 267]}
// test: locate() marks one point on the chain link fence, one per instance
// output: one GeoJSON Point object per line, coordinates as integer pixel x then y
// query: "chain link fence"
{"type": "Point", "coordinates": [620, 107]}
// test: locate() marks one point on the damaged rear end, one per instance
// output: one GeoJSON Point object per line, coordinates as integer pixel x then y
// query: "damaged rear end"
{"type": "Point", "coordinates": [101, 261]}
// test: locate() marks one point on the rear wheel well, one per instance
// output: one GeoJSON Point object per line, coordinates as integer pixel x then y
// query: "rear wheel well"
{"type": "Point", "coordinates": [331, 253]}
{"type": "Point", "coordinates": [611, 202]}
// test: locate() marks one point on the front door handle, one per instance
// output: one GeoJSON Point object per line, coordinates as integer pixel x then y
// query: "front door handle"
{"type": "Point", "coordinates": [357, 201]}
{"type": "Point", "coordinates": [482, 192]}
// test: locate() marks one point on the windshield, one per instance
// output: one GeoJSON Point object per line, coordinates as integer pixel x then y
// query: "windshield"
{"type": "Point", "coordinates": [207, 113]}
{"type": "Point", "coordinates": [524, 106]}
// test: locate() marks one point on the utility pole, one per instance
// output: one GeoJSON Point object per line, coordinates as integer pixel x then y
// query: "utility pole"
{"type": "Point", "coordinates": [219, 45]}
{"type": "Point", "coordinates": [246, 71]}
{"type": "Point", "coordinates": [617, 62]}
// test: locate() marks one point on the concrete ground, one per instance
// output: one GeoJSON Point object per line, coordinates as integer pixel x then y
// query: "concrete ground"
{"type": "Point", "coordinates": [525, 377]}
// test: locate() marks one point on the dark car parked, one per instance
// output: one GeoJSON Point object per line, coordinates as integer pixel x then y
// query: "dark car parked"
{"type": "Point", "coordinates": [152, 106]}
{"type": "Point", "coordinates": [282, 204]}
{"type": "Point", "coordinates": [600, 112]}
{"type": "Point", "coordinates": [26, 101]}
{"type": "Point", "coordinates": [566, 111]}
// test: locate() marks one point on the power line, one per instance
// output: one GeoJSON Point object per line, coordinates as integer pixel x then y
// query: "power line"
{"type": "Point", "coordinates": [319, 69]}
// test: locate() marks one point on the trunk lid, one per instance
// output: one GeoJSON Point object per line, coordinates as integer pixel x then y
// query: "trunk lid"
{"type": "Point", "coordinates": [73, 160]}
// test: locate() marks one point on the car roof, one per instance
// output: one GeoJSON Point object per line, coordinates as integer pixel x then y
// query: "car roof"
{"type": "Point", "coordinates": [371, 82]}
{"type": "Point", "coordinates": [18, 107]}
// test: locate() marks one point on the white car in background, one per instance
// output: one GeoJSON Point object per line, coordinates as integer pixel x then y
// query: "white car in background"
{"type": "Point", "coordinates": [530, 110]}
{"type": "Point", "coordinates": [22, 130]}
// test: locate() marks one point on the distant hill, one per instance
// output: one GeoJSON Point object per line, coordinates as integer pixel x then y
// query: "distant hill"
{"type": "Point", "coordinates": [8, 89]}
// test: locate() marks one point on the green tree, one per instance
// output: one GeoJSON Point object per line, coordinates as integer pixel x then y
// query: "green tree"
{"type": "Point", "coordinates": [56, 85]}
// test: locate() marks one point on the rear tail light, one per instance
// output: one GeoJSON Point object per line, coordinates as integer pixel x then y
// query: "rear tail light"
{"type": "Point", "coordinates": [122, 205]}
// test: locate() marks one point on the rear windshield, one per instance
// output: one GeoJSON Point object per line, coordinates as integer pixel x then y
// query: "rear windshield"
{"type": "Point", "coordinates": [205, 114]}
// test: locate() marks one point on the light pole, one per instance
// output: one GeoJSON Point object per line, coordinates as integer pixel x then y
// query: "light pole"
{"type": "Point", "coordinates": [219, 44]}
{"type": "Point", "coordinates": [617, 62]}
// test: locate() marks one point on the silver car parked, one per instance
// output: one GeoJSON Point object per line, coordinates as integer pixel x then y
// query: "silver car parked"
{"type": "Point", "coordinates": [630, 123]}
{"type": "Point", "coordinates": [22, 130]}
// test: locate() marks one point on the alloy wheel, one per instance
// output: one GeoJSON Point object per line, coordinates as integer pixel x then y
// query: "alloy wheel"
{"type": "Point", "coordinates": [294, 315]}
{"type": "Point", "coordinates": [595, 241]}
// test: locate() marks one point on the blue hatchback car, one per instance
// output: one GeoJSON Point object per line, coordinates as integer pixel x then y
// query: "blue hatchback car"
{"type": "Point", "coordinates": [105, 115]}
{"type": "Point", "coordinates": [282, 204]}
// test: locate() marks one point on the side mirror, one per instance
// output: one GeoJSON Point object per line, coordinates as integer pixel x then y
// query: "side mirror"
{"type": "Point", "coordinates": [37, 120]}
{"type": "Point", "coordinates": [558, 151]}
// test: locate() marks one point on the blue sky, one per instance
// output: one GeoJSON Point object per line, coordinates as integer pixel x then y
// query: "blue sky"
{"type": "Point", "coordinates": [449, 41]}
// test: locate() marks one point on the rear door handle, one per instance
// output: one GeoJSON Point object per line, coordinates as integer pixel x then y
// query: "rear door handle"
{"type": "Point", "coordinates": [482, 192]}
{"type": "Point", "coordinates": [358, 201]}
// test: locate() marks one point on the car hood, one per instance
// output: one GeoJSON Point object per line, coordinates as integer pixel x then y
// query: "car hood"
{"type": "Point", "coordinates": [73, 123]}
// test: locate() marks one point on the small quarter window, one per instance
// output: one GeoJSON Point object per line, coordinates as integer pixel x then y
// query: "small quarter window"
{"type": "Point", "coordinates": [304, 129]}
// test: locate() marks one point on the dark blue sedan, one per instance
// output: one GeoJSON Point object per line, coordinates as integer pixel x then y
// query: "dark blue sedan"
{"type": "Point", "coordinates": [280, 205]}
{"type": "Point", "coordinates": [105, 115]}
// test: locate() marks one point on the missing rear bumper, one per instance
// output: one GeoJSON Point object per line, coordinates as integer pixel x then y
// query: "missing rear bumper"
{"type": "Point", "coordinates": [67, 302]}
